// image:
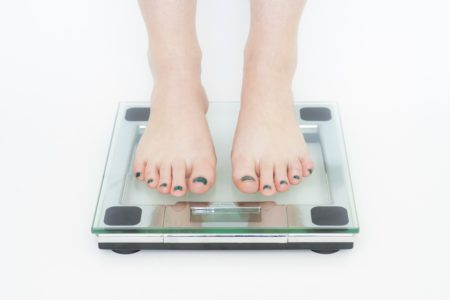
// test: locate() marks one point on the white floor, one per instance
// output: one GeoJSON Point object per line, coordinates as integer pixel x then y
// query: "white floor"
{"type": "Point", "coordinates": [65, 64]}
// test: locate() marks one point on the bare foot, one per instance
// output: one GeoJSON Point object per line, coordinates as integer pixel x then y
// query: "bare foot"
{"type": "Point", "coordinates": [175, 153]}
{"type": "Point", "coordinates": [269, 152]}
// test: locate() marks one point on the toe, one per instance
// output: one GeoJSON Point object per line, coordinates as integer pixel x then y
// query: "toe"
{"type": "Point", "coordinates": [165, 178]}
{"type": "Point", "coordinates": [266, 184]}
{"type": "Point", "coordinates": [244, 175]}
{"type": "Point", "coordinates": [139, 168]}
{"type": "Point", "coordinates": [151, 175]}
{"type": "Point", "coordinates": [281, 178]}
{"type": "Point", "coordinates": [178, 178]}
{"type": "Point", "coordinates": [295, 172]}
{"type": "Point", "coordinates": [307, 166]}
{"type": "Point", "coordinates": [202, 177]}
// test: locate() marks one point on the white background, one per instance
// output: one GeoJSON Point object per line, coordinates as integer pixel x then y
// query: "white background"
{"type": "Point", "coordinates": [64, 65]}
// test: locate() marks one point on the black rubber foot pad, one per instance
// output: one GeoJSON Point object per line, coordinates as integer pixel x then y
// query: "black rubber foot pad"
{"type": "Point", "coordinates": [126, 251]}
{"type": "Point", "coordinates": [315, 114]}
{"type": "Point", "coordinates": [325, 251]}
{"type": "Point", "coordinates": [329, 215]}
{"type": "Point", "coordinates": [137, 114]}
{"type": "Point", "coordinates": [123, 215]}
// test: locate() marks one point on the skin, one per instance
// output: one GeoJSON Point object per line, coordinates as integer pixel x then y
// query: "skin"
{"type": "Point", "coordinates": [268, 144]}
{"type": "Point", "coordinates": [176, 155]}
{"type": "Point", "coordinates": [175, 152]}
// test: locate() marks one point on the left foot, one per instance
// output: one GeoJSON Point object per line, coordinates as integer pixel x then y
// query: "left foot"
{"type": "Point", "coordinates": [269, 151]}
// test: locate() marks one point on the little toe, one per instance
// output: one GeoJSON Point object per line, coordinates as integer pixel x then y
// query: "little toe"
{"type": "Point", "coordinates": [165, 178]}
{"type": "Point", "coordinates": [307, 166]}
{"type": "Point", "coordinates": [202, 177]}
{"type": "Point", "coordinates": [266, 184]}
{"type": "Point", "coordinates": [281, 178]}
{"type": "Point", "coordinates": [151, 175]}
{"type": "Point", "coordinates": [178, 179]}
{"type": "Point", "coordinates": [295, 172]}
{"type": "Point", "coordinates": [139, 169]}
{"type": "Point", "coordinates": [244, 176]}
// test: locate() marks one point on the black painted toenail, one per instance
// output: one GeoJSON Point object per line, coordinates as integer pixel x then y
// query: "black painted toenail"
{"type": "Point", "coordinates": [200, 179]}
{"type": "Point", "coordinates": [267, 187]}
{"type": "Point", "coordinates": [310, 171]}
{"type": "Point", "coordinates": [296, 177]}
{"type": "Point", "coordinates": [163, 185]}
{"type": "Point", "coordinates": [138, 174]}
{"type": "Point", "coordinates": [283, 182]}
{"type": "Point", "coordinates": [149, 181]}
{"type": "Point", "coordinates": [247, 178]}
{"type": "Point", "coordinates": [178, 188]}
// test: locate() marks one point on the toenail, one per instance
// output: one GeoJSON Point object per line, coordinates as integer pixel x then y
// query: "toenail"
{"type": "Point", "coordinates": [138, 174]}
{"type": "Point", "coordinates": [178, 188]}
{"type": "Point", "coordinates": [283, 182]}
{"type": "Point", "coordinates": [163, 185]}
{"type": "Point", "coordinates": [310, 171]}
{"type": "Point", "coordinates": [296, 177]}
{"type": "Point", "coordinates": [150, 181]}
{"type": "Point", "coordinates": [247, 178]}
{"type": "Point", "coordinates": [267, 187]}
{"type": "Point", "coordinates": [200, 179]}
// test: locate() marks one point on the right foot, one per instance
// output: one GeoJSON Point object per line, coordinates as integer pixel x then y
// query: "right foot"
{"type": "Point", "coordinates": [175, 153]}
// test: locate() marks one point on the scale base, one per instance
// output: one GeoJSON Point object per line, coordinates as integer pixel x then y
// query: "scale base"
{"type": "Point", "coordinates": [130, 248]}
{"type": "Point", "coordinates": [318, 215]}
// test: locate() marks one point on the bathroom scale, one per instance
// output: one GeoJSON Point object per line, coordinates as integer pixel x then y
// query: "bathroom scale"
{"type": "Point", "coordinates": [318, 214]}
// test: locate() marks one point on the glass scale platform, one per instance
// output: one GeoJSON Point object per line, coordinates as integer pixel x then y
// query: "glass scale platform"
{"type": "Point", "coordinates": [318, 214]}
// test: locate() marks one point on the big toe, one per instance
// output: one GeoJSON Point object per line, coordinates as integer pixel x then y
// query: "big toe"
{"type": "Point", "coordinates": [244, 176]}
{"type": "Point", "coordinates": [202, 177]}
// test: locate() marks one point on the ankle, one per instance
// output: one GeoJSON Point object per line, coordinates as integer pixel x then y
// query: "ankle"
{"type": "Point", "coordinates": [176, 66]}
{"type": "Point", "coordinates": [273, 61]}
{"type": "Point", "coordinates": [267, 82]}
{"type": "Point", "coordinates": [175, 94]}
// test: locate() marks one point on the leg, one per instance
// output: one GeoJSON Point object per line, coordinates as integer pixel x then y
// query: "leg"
{"type": "Point", "coordinates": [269, 152]}
{"type": "Point", "coordinates": [176, 145]}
